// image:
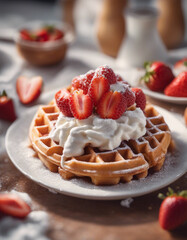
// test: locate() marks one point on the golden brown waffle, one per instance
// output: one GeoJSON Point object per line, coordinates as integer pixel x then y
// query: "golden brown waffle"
{"type": "Point", "coordinates": [132, 158]}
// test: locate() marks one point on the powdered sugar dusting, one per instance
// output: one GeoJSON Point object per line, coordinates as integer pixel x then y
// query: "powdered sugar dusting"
{"type": "Point", "coordinates": [126, 202]}
{"type": "Point", "coordinates": [35, 226]}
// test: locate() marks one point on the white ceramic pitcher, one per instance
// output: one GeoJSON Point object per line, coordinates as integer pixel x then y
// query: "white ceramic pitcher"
{"type": "Point", "coordinates": [142, 42]}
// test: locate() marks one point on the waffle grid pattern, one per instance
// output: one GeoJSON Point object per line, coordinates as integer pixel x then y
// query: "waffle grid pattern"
{"type": "Point", "coordinates": [132, 158]}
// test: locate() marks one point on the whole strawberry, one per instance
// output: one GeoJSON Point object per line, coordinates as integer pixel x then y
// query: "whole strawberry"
{"type": "Point", "coordinates": [180, 66]}
{"type": "Point", "coordinates": [173, 210]}
{"type": "Point", "coordinates": [140, 98]}
{"type": "Point", "coordinates": [178, 87]}
{"type": "Point", "coordinates": [7, 111]}
{"type": "Point", "coordinates": [158, 75]}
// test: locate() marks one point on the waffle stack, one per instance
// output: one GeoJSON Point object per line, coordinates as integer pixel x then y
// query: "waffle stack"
{"type": "Point", "coordinates": [131, 159]}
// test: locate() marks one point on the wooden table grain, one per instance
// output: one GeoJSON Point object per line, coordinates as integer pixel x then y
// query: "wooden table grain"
{"type": "Point", "coordinates": [79, 219]}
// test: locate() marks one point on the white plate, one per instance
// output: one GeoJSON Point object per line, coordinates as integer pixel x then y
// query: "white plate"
{"type": "Point", "coordinates": [163, 97]}
{"type": "Point", "coordinates": [23, 158]}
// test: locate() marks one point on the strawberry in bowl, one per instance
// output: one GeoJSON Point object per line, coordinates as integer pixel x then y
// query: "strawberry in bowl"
{"type": "Point", "coordinates": [43, 45]}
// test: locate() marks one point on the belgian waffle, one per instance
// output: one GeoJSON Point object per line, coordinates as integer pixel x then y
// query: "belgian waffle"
{"type": "Point", "coordinates": [131, 159]}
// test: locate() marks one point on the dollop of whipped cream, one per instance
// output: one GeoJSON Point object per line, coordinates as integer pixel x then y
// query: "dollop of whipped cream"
{"type": "Point", "coordinates": [106, 134]}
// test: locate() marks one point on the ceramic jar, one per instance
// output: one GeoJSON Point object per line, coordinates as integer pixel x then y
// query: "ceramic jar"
{"type": "Point", "coordinates": [142, 41]}
{"type": "Point", "coordinates": [171, 22]}
{"type": "Point", "coordinates": [111, 26]}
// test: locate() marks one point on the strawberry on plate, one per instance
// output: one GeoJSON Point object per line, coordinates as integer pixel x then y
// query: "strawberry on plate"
{"type": "Point", "coordinates": [178, 87]}
{"type": "Point", "coordinates": [107, 73]}
{"type": "Point", "coordinates": [181, 63]}
{"type": "Point", "coordinates": [81, 104]}
{"type": "Point", "coordinates": [173, 210]}
{"type": "Point", "coordinates": [28, 90]}
{"type": "Point", "coordinates": [13, 205]}
{"type": "Point", "coordinates": [98, 86]}
{"type": "Point", "coordinates": [140, 98]}
{"type": "Point", "coordinates": [158, 75]}
{"type": "Point", "coordinates": [7, 111]}
{"type": "Point", "coordinates": [62, 98]}
{"type": "Point", "coordinates": [83, 81]}
{"type": "Point", "coordinates": [112, 105]}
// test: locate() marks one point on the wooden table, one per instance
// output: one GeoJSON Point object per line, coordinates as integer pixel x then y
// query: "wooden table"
{"type": "Point", "coordinates": [78, 219]}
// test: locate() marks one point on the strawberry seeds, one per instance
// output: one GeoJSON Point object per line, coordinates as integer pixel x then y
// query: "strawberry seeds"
{"type": "Point", "coordinates": [98, 92]}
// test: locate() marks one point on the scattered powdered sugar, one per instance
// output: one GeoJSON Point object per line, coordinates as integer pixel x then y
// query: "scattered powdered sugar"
{"type": "Point", "coordinates": [33, 227]}
{"type": "Point", "coordinates": [52, 191]}
{"type": "Point", "coordinates": [126, 202]}
{"type": "Point", "coordinates": [23, 195]}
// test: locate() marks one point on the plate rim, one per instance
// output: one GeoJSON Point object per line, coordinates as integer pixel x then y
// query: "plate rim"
{"type": "Point", "coordinates": [83, 195]}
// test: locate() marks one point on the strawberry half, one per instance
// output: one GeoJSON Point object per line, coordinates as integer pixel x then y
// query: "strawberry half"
{"type": "Point", "coordinates": [83, 81]}
{"type": "Point", "coordinates": [81, 104]}
{"type": "Point", "coordinates": [140, 98]}
{"type": "Point", "coordinates": [13, 205]}
{"type": "Point", "coordinates": [28, 90]}
{"type": "Point", "coordinates": [62, 98]}
{"type": "Point", "coordinates": [112, 105]}
{"type": "Point", "coordinates": [98, 87]}
{"type": "Point", "coordinates": [158, 75]}
{"type": "Point", "coordinates": [173, 210]}
{"type": "Point", "coordinates": [178, 87]}
{"type": "Point", "coordinates": [7, 111]}
{"type": "Point", "coordinates": [107, 73]}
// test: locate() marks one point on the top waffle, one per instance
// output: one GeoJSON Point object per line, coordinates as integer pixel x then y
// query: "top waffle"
{"type": "Point", "coordinates": [132, 158]}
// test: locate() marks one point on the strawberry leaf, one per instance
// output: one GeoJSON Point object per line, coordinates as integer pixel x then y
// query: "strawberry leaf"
{"type": "Point", "coordinates": [147, 65]}
{"type": "Point", "coordinates": [3, 94]}
{"type": "Point", "coordinates": [185, 63]}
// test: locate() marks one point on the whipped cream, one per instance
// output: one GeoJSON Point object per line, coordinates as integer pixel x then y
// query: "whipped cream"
{"type": "Point", "coordinates": [119, 87]}
{"type": "Point", "coordinates": [106, 134]}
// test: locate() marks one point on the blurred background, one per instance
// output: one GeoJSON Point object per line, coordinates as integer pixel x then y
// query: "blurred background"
{"type": "Point", "coordinates": [97, 21]}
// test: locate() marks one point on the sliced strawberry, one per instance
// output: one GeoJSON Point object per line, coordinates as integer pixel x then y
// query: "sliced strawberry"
{"type": "Point", "coordinates": [25, 35]}
{"type": "Point", "coordinates": [107, 73]}
{"type": "Point", "coordinates": [98, 87]}
{"type": "Point", "coordinates": [7, 111]}
{"type": "Point", "coordinates": [112, 105]}
{"type": "Point", "coordinates": [140, 98]}
{"type": "Point", "coordinates": [62, 98]}
{"type": "Point", "coordinates": [125, 90]}
{"type": "Point", "coordinates": [83, 81]}
{"type": "Point", "coordinates": [28, 89]}
{"type": "Point", "coordinates": [13, 205]}
{"type": "Point", "coordinates": [81, 104]}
